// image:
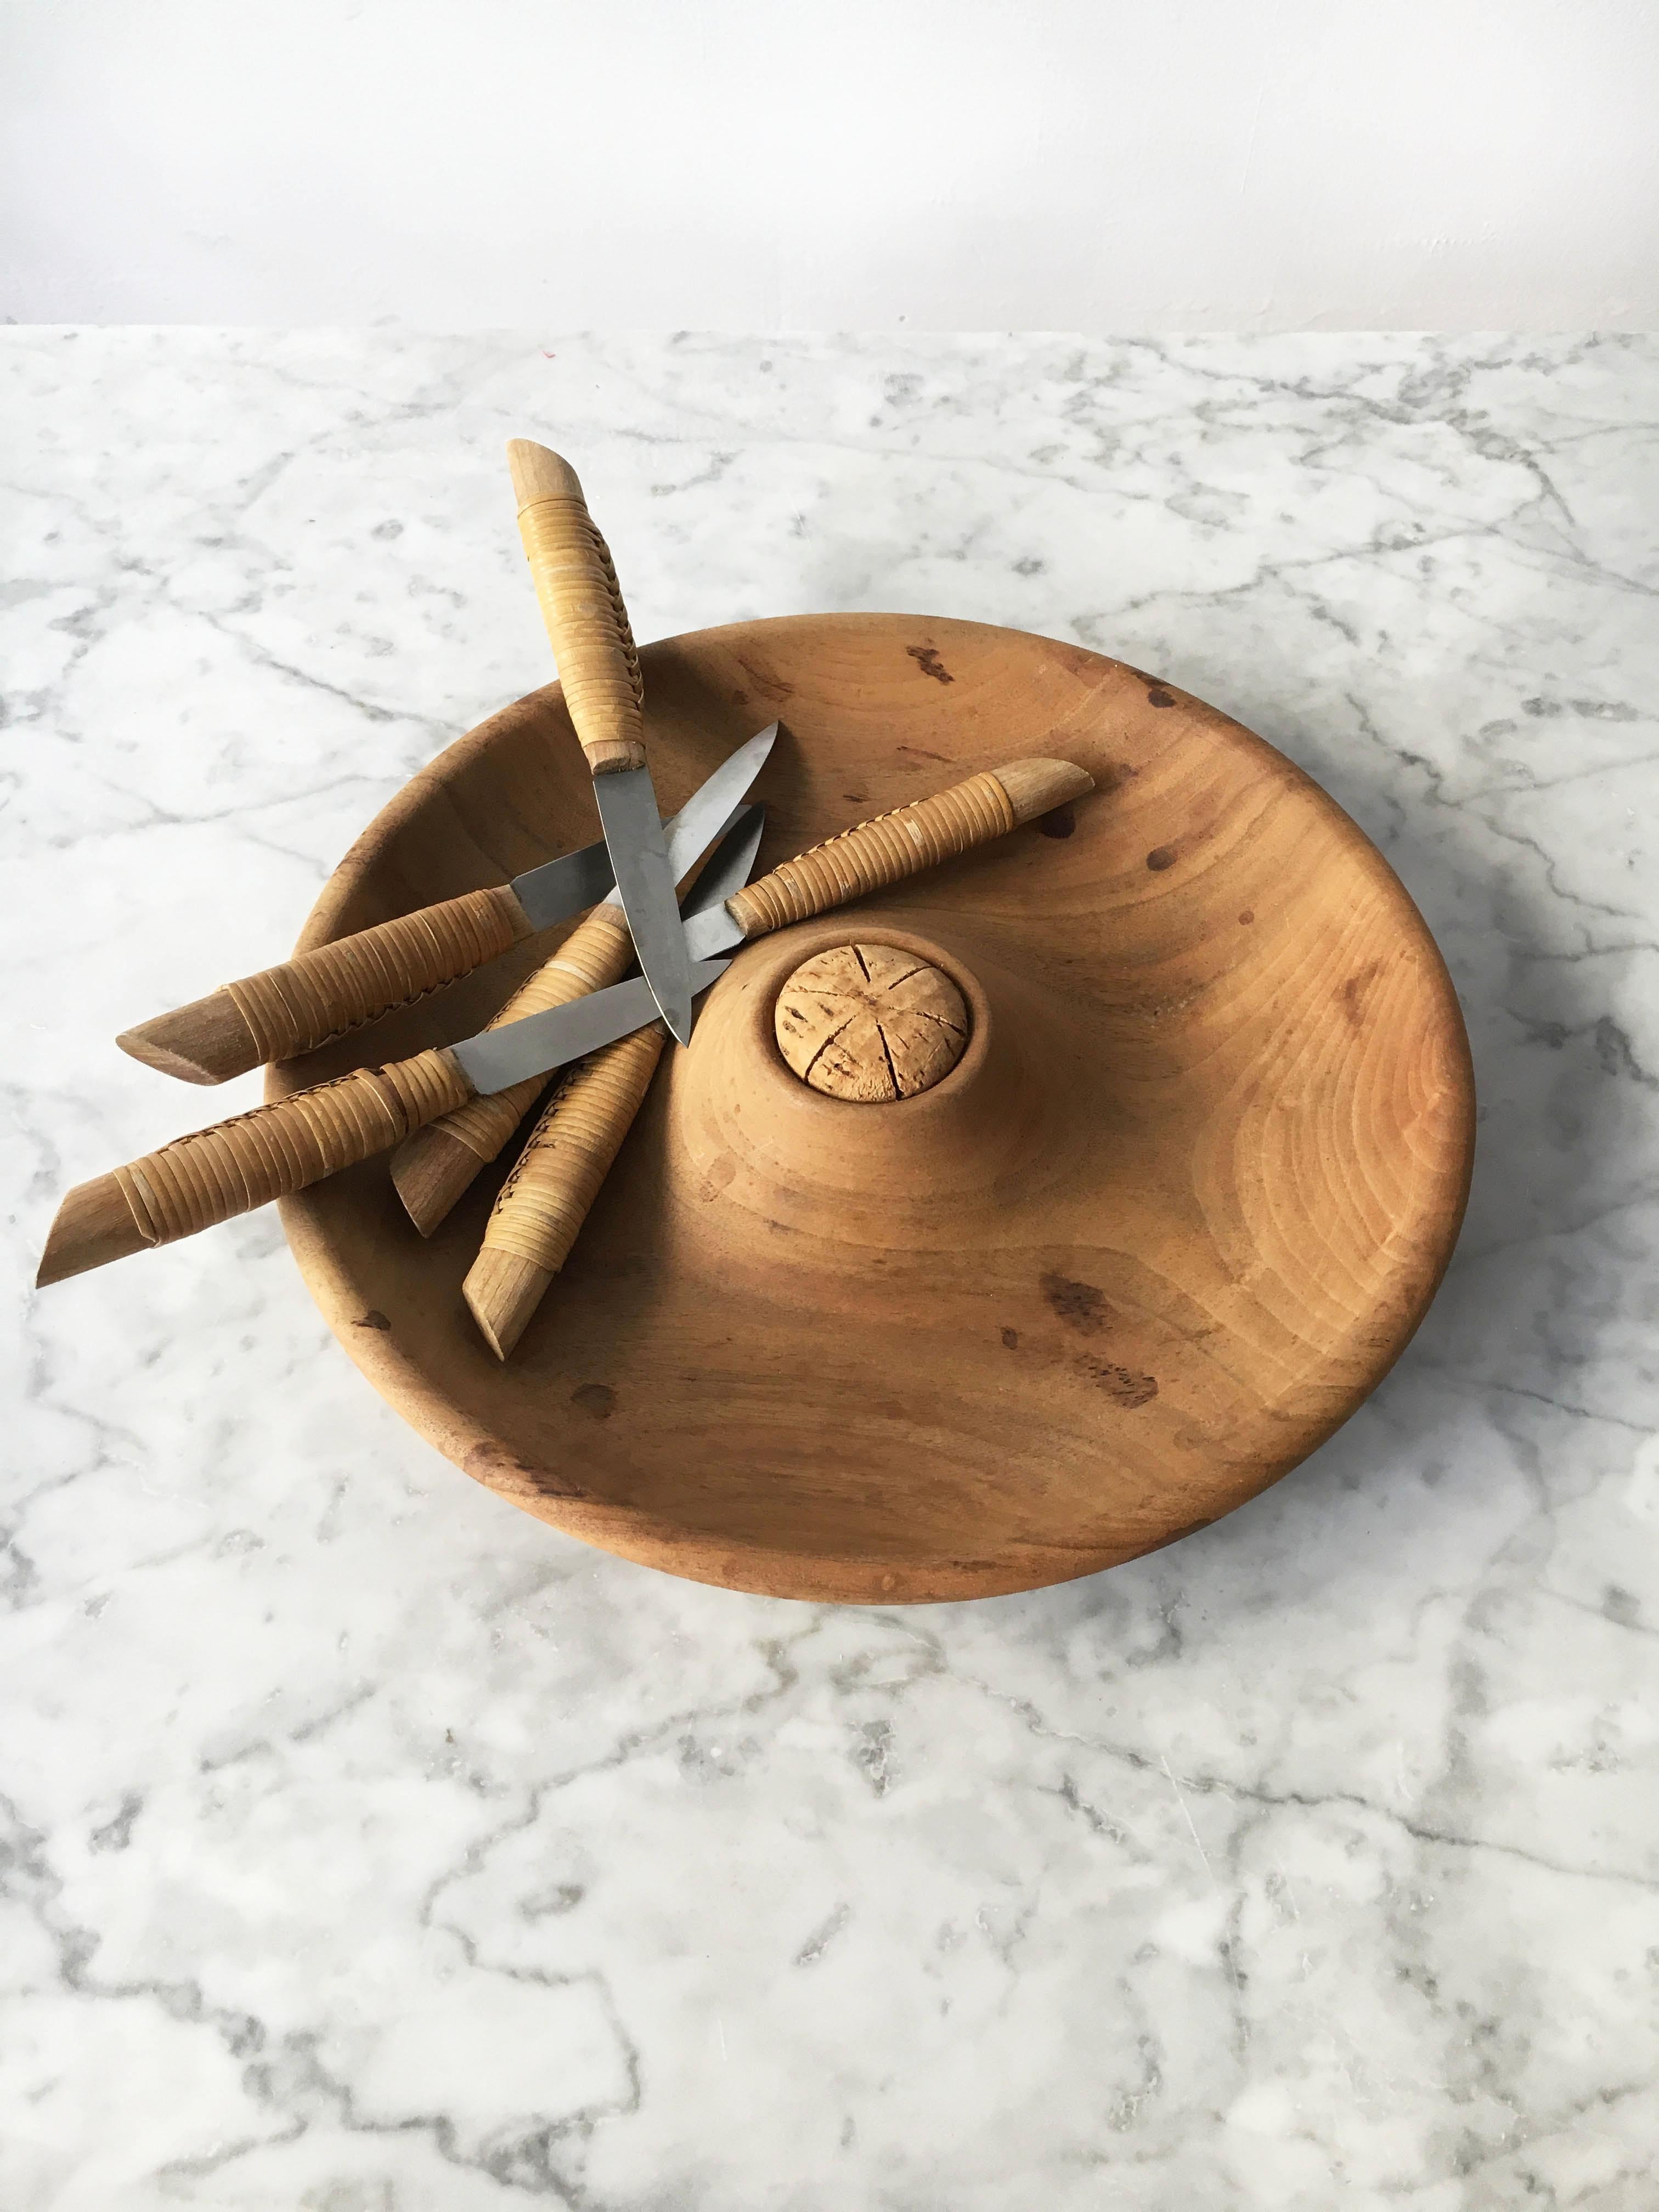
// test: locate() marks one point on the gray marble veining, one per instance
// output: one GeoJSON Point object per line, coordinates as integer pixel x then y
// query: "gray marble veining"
{"type": "Point", "coordinates": [369, 1848]}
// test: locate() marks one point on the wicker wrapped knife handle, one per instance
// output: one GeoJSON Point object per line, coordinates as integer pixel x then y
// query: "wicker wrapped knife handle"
{"type": "Point", "coordinates": [236, 1165]}
{"type": "Point", "coordinates": [581, 604]}
{"type": "Point", "coordinates": [542, 1206]}
{"type": "Point", "coordinates": [320, 995]}
{"type": "Point", "coordinates": [893, 846]}
{"type": "Point", "coordinates": [435, 1166]}
{"type": "Point", "coordinates": [544, 1201]}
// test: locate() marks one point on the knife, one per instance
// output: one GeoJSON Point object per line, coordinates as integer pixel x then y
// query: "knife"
{"type": "Point", "coordinates": [586, 623]}
{"type": "Point", "coordinates": [236, 1165]}
{"type": "Point", "coordinates": [318, 996]}
{"type": "Point", "coordinates": [216, 1173]}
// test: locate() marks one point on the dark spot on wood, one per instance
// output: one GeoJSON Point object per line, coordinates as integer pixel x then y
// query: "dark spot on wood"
{"type": "Point", "coordinates": [597, 1399]}
{"type": "Point", "coordinates": [1114, 774]}
{"type": "Point", "coordinates": [920, 752]}
{"type": "Point", "coordinates": [1080, 1305]}
{"type": "Point", "coordinates": [739, 698]}
{"type": "Point", "coordinates": [1011, 1339]}
{"type": "Point", "coordinates": [1122, 1385]}
{"type": "Point", "coordinates": [547, 1485]}
{"type": "Point", "coordinates": [721, 1169]}
{"type": "Point", "coordinates": [1353, 993]}
{"type": "Point", "coordinates": [770, 687]}
{"type": "Point", "coordinates": [926, 658]}
{"type": "Point", "coordinates": [1158, 697]}
{"type": "Point", "coordinates": [373, 1319]}
{"type": "Point", "coordinates": [1247, 916]}
{"type": "Point", "coordinates": [498, 1468]}
{"type": "Point", "coordinates": [1058, 822]}
{"type": "Point", "coordinates": [1161, 857]}
{"type": "Point", "coordinates": [855, 798]}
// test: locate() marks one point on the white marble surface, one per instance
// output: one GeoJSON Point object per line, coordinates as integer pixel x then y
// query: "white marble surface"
{"type": "Point", "coordinates": [369, 1847]}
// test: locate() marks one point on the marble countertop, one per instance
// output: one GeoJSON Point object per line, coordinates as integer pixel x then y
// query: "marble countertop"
{"type": "Point", "coordinates": [370, 1847]}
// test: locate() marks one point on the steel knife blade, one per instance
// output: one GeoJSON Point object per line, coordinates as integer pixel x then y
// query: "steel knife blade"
{"type": "Point", "coordinates": [639, 854]}
{"type": "Point", "coordinates": [561, 888]}
{"type": "Point", "coordinates": [494, 1060]}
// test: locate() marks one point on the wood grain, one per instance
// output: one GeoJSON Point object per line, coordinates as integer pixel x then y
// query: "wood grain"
{"type": "Point", "coordinates": [1177, 1209]}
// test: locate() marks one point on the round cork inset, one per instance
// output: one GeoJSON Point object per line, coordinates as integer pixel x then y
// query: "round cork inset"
{"type": "Point", "coordinates": [870, 1023]}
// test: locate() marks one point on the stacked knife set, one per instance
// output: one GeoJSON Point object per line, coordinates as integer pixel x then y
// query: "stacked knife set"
{"type": "Point", "coordinates": [444, 1112]}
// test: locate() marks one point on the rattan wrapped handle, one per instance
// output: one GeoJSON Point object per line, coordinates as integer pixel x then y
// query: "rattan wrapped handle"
{"type": "Point", "coordinates": [893, 846]}
{"type": "Point", "coordinates": [236, 1165]}
{"type": "Point", "coordinates": [542, 1204]}
{"type": "Point", "coordinates": [320, 995]}
{"type": "Point", "coordinates": [581, 604]}
{"type": "Point", "coordinates": [433, 1168]}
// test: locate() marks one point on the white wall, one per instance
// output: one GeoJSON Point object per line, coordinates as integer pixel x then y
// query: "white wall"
{"type": "Point", "coordinates": [1125, 165]}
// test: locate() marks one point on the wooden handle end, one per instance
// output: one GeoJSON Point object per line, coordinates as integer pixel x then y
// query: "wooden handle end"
{"type": "Point", "coordinates": [206, 1042]}
{"type": "Point", "coordinates": [613, 755]}
{"type": "Point", "coordinates": [94, 1225]}
{"type": "Point", "coordinates": [430, 1172]}
{"type": "Point", "coordinates": [503, 1290]}
{"type": "Point", "coordinates": [540, 1211]}
{"type": "Point", "coordinates": [882, 851]}
{"type": "Point", "coordinates": [582, 606]}
{"type": "Point", "coordinates": [1036, 786]}
{"type": "Point", "coordinates": [540, 473]}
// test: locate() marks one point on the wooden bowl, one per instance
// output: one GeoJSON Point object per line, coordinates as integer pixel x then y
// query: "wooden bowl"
{"type": "Point", "coordinates": [1175, 1212]}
